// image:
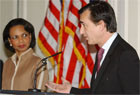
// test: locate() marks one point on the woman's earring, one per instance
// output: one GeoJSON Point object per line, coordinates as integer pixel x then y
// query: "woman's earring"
{"type": "Point", "coordinates": [11, 45]}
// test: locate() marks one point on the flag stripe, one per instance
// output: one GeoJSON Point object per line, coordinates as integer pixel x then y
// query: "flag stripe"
{"type": "Point", "coordinates": [71, 69]}
{"type": "Point", "coordinates": [47, 38]}
{"type": "Point", "coordinates": [53, 8]}
{"type": "Point", "coordinates": [46, 45]}
{"type": "Point", "coordinates": [50, 27]}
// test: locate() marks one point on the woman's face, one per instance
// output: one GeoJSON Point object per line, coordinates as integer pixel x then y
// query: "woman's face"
{"type": "Point", "coordinates": [19, 39]}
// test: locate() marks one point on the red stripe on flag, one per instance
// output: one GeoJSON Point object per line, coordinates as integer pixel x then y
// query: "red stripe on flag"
{"type": "Point", "coordinates": [51, 28]}
{"type": "Point", "coordinates": [85, 84]}
{"type": "Point", "coordinates": [74, 10]}
{"type": "Point", "coordinates": [54, 10]}
{"type": "Point", "coordinates": [71, 25]}
{"type": "Point", "coordinates": [83, 2]}
{"type": "Point", "coordinates": [71, 68]}
{"type": "Point", "coordinates": [90, 63]}
{"type": "Point", "coordinates": [61, 70]}
{"type": "Point", "coordinates": [45, 43]}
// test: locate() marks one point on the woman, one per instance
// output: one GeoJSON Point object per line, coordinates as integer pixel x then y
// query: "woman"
{"type": "Point", "coordinates": [19, 69]}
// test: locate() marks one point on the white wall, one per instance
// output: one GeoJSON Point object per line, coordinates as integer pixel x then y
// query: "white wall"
{"type": "Point", "coordinates": [7, 11]}
{"type": "Point", "coordinates": [127, 12]}
{"type": "Point", "coordinates": [138, 4]}
{"type": "Point", "coordinates": [32, 10]}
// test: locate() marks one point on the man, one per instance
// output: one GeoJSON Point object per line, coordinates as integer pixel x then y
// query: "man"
{"type": "Point", "coordinates": [119, 66]}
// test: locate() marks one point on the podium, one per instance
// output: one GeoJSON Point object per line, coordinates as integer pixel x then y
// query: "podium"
{"type": "Point", "coordinates": [15, 92]}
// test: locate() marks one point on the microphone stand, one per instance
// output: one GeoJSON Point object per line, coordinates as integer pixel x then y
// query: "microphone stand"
{"type": "Point", "coordinates": [35, 77]}
{"type": "Point", "coordinates": [35, 74]}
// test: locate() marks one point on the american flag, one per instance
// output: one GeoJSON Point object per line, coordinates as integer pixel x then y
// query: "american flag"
{"type": "Point", "coordinates": [60, 32]}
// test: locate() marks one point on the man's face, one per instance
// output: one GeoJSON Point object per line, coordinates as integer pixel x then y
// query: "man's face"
{"type": "Point", "coordinates": [89, 30]}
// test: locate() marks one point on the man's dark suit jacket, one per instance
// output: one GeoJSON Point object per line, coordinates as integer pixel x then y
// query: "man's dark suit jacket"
{"type": "Point", "coordinates": [119, 73]}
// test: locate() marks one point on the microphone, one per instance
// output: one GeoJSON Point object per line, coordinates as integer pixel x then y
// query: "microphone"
{"type": "Point", "coordinates": [44, 59]}
{"type": "Point", "coordinates": [35, 74]}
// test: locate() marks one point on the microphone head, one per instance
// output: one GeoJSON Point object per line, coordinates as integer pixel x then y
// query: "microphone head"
{"type": "Point", "coordinates": [44, 59]}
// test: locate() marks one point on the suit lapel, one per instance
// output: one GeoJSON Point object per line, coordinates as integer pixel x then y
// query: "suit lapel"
{"type": "Point", "coordinates": [101, 71]}
{"type": "Point", "coordinates": [104, 64]}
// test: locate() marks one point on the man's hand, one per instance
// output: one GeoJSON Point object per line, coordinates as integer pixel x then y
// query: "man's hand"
{"type": "Point", "coordinates": [60, 88]}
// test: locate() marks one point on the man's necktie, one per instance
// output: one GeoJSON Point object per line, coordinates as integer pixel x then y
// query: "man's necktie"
{"type": "Point", "coordinates": [100, 55]}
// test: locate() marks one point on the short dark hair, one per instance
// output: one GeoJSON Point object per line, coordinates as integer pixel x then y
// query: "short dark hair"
{"type": "Point", "coordinates": [101, 10]}
{"type": "Point", "coordinates": [27, 26]}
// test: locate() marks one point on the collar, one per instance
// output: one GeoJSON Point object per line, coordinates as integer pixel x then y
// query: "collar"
{"type": "Point", "coordinates": [14, 57]}
{"type": "Point", "coordinates": [107, 45]}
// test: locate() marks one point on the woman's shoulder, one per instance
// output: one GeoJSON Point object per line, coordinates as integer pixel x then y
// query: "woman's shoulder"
{"type": "Point", "coordinates": [30, 53]}
{"type": "Point", "coordinates": [36, 56]}
{"type": "Point", "coordinates": [8, 60]}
